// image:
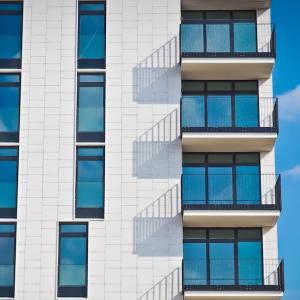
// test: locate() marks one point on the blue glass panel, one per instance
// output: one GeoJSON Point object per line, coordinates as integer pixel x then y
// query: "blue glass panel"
{"type": "Point", "coordinates": [192, 38]}
{"type": "Point", "coordinates": [246, 111]}
{"type": "Point", "coordinates": [218, 37]}
{"type": "Point", "coordinates": [193, 114]}
{"type": "Point", "coordinates": [91, 109]}
{"type": "Point", "coordinates": [9, 78]}
{"type": "Point", "coordinates": [8, 151]}
{"type": "Point", "coordinates": [248, 185]}
{"type": "Point", "coordinates": [221, 263]}
{"type": "Point", "coordinates": [91, 78]}
{"type": "Point", "coordinates": [72, 261]}
{"type": "Point", "coordinates": [73, 228]}
{"type": "Point", "coordinates": [91, 40]}
{"type": "Point", "coordinates": [244, 37]}
{"type": "Point", "coordinates": [10, 228]}
{"type": "Point", "coordinates": [219, 111]}
{"type": "Point", "coordinates": [91, 6]}
{"type": "Point", "coordinates": [8, 184]}
{"type": "Point", "coordinates": [90, 184]}
{"type": "Point", "coordinates": [195, 269]}
{"type": "Point", "coordinates": [10, 33]}
{"type": "Point", "coordinates": [220, 185]}
{"type": "Point", "coordinates": [91, 151]}
{"type": "Point", "coordinates": [9, 109]}
{"type": "Point", "coordinates": [11, 6]}
{"type": "Point", "coordinates": [250, 263]}
{"type": "Point", "coordinates": [193, 185]}
{"type": "Point", "coordinates": [7, 250]}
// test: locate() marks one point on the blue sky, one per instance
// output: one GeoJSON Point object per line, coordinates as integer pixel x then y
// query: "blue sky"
{"type": "Point", "coordinates": [285, 14]}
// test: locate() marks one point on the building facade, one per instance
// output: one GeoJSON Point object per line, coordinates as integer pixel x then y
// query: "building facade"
{"type": "Point", "coordinates": [137, 150]}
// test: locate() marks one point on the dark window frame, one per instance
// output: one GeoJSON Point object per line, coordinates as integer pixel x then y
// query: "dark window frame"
{"type": "Point", "coordinates": [233, 165]}
{"type": "Point", "coordinates": [232, 93]}
{"type": "Point", "coordinates": [235, 242]}
{"type": "Point", "coordinates": [11, 213]}
{"type": "Point", "coordinates": [9, 291]}
{"type": "Point", "coordinates": [12, 136]}
{"type": "Point", "coordinates": [73, 291]}
{"type": "Point", "coordinates": [12, 63]}
{"type": "Point", "coordinates": [90, 213]}
{"type": "Point", "coordinates": [90, 63]}
{"type": "Point", "coordinates": [90, 136]}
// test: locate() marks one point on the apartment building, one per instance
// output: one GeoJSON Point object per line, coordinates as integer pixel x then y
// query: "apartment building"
{"type": "Point", "coordinates": [137, 150]}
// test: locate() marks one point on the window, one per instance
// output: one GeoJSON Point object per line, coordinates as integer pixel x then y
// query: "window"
{"type": "Point", "coordinates": [10, 34]}
{"type": "Point", "coordinates": [223, 257]}
{"type": "Point", "coordinates": [91, 35]}
{"type": "Point", "coordinates": [219, 32]}
{"type": "Point", "coordinates": [7, 259]}
{"type": "Point", "coordinates": [90, 182]}
{"type": "Point", "coordinates": [8, 182]}
{"type": "Point", "coordinates": [9, 107]}
{"type": "Point", "coordinates": [220, 104]}
{"type": "Point", "coordinates": [90, 108]}
{"type": "Point", "coordinates": [73, 260]}
{"type": "Point", "coordinates": [221, 179]}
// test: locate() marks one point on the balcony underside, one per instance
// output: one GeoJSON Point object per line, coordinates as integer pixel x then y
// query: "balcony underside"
{"type": "Point", "coordinates": [239, 295]}
{"type": "Point", "coordinates": [226, 5]}
{"type": "Point", "coordinates": [224, 142]}
{"type": "Point", "coordinates": [229, 68]}
{"type": "Point", "coordinates": [230, 218]}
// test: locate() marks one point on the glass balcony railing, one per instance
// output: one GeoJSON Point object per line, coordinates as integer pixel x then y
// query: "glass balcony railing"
{"type": "Point", "coordinates": [231, 275]}
{"type": "Point", "coordinates": [226, 38]}
{"type": "Point", "coordinates": [226, 113]}
{"type": "Point", "coordinates": [230, 191]}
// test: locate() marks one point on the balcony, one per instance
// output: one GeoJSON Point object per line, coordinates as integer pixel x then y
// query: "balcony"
{"type": "Point", "coordinates": [228, 4]}
{"type": "Point", "coordinates": [226, 49]}
{"type": "Point", "coordinates": [233, 279]}
{"type": "Point", "coordinates": [225, 123]}
{"type": "Point", "coordinates": [230, 200]}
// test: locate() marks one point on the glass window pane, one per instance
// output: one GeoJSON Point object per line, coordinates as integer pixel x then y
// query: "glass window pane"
{"type": "Point", "coordinates": [221, 234]}
{"type": "Point", "coordinates": [244, 15]}
{"type": "Point", "coordinates": [9, 78]}
{"type": "Point", "coordinates": [8, 184]}
{"type": "Point", "coordinates": [246, 111]}
{"type": "Point", "coordinates": [220, 185]}
{"type": "Point", "coordinates": [10, 228]}
{"type": "Point", "coordinates": [252, 158]}
{"type": "Point", "coordinates": [221, 263]}
{"type": "Point", "coordinates": [91, 109]}
{"type": "Point", "coordinates": [248, 86]}
{"type": "Point", "coordinates": [193, 111]}
{"type": "Point", "coordinates": [72, 261]}
{"type": "Point", "coordinates": [92, 6]}
{"type": "Point", "coordinates": [9, 109]}
{"type": "Point", "coordinates": [218, 15]}
{"type": "Point", "coordinates": [220, 158]}
{"type": "Point", "coordinates": [91, 78]}
{"type": "Point", "coordinates": [193, 185]}
{"type": "Point", "coordinates": [248, 185]}
{"type": "Point", "coordinates": [219, 111]}
{"type": "Point", "coordinates": [192, 38]}
{"type": "Point", "coordinates": [192, 15]}
{"type": "Point", "coordinates": [244, 37]}
{"type": "Point", "coordinates": [91, 37]}
{"type": "Point", "coordinates": [192, 85]}
{"type": "Point", "coordinates": [222, 86]}
{"type": "Point", "coordinates": [90, 184]}
{"type": "Point", "coordinates": [252, 234]}
{"type": "Point", "coordinates": [11, 6]}
{"type": "Point", "coordinates": [79, 228]}
{"type": "Point", "coordinates": [93, 151]}
{"type": "Point", "coordinates": [7, 250]}
{"type": "Point", "coordinates": [193, 233]}
{"type": "Point", "coordinates": [218, 37]}
{"type": "Point", "coordinates": [250, 263]}
{"type": "Point", "coordinates": [10, 33]}
{"type": "Point", "coordinates": [193, 158]}
{"type": "Point", "coordinates": [195, 269]}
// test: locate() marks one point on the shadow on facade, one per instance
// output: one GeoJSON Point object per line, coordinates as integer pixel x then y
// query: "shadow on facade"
{"type": "Point", "coordinates": [156, 228]}
{"type": "Point", "coordinates": [169, 288]}
{"type": "Point", "coordinates": [154, 78]}
{"type": "Point", "coordinates": [152, 150]}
